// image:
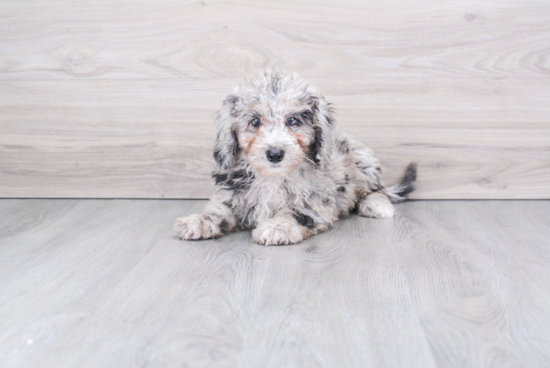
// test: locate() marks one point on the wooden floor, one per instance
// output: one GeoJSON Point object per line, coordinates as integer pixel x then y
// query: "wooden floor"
{"type": "Point", "coordinates": [104, 283]}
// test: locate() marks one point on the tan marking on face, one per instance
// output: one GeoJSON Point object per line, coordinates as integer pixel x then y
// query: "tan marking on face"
{"type": "Point", "coordinates": [250, 141]}
{"type": "Point", "coordinates": [300, 139]}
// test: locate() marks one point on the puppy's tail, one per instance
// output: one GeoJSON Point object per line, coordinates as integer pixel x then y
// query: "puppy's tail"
{"type": "Point", "coordinates": [399, 192]}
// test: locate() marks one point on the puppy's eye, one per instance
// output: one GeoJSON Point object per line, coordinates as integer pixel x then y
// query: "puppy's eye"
{"type": "Point", "coordinates": [292, 121]}
{"type": "Point", "coordinates": [255, 122]}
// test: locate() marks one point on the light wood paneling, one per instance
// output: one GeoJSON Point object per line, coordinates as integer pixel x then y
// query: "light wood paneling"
{"type": "Point", "coordinates": [116, 99]}
{"type": "Point", "coordinates": [142, 138]}
{"type": "Point", "coordinates": [166, 39]}
{"type": "Point", "coordinates": [105, 283]}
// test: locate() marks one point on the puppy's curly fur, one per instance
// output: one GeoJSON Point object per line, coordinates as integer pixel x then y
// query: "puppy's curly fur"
{"type": "Point", "coordinates": [283, 171]}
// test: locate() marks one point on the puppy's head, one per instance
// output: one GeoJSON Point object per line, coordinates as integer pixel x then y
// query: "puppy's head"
{"type": "Point", "coordinates": [277, 122]}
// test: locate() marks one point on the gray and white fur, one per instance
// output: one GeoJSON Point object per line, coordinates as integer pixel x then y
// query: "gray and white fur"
{"type": "Point", "coordinates": [283, 171]}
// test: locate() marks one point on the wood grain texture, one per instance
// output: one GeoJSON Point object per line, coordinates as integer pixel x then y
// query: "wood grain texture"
{"type": "Point", "coordinates": [153, 139]}
{"type": "Point", "coordinates": [443, 284]}
{"type": "Point", "coordinates": [116, 99]}
{"type": "Point", "coordinates": [163, 39]}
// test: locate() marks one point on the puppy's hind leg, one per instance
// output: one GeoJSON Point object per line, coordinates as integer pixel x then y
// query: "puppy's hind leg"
{"type": "Point", "coordinates": [216, 220]}
{"type": "Point", "coordinates": [373, 201]}
{"type": "Point", "coordinates": [376, 205]}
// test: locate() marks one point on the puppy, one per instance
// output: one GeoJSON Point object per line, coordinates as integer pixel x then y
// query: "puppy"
{"type": "Point", "coordinates": [283, 171]}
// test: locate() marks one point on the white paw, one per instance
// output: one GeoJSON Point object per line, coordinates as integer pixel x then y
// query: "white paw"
{"type": "Point", "coordinates": [279, 231]}
{"type": "Point", "coordinates": [196, 227]}
{"type": "Point", "coordinates": [376, 205]}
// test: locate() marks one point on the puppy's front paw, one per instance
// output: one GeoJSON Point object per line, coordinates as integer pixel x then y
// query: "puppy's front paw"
{"type": "Point", "coordinates": [376, 205]}
{"type": "Point", "coordinates": [279, 231]}
{"type": "Point", "coordinates": [196, 227]}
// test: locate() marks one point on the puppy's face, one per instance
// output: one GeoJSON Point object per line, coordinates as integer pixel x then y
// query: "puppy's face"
{"type": "Point", "coordinates": [276, 134]}
{"type": "Point", "coordinates": [277, 122]}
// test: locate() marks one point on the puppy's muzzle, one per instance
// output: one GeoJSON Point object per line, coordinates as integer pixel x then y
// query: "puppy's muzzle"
{"type": "Point", "coordinates": [275, 155]}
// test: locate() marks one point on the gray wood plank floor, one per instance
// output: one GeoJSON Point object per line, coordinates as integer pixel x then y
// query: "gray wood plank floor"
{"type": "Point", "coordinates": [104, 283]}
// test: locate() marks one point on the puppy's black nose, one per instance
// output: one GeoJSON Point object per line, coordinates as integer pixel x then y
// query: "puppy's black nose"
{"type": "Point", "coordinates": [275, 155]}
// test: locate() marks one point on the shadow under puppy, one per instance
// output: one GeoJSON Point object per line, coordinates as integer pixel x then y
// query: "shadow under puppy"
{"type": "Point", "coordinates": [283, 171]}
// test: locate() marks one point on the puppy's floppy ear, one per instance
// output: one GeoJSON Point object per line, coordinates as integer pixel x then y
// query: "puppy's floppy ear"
{"type": "Point", "coordinates": [323, 125]}
{"type": "Point", "coordinates": [227, 145]}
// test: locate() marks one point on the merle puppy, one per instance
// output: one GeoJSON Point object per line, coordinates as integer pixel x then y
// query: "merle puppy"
{"type": "Point", "coordinates": [283, 171]}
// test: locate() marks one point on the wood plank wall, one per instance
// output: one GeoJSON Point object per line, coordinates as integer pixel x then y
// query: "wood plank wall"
{"type": "Point", "coordinates": [116, 98]}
